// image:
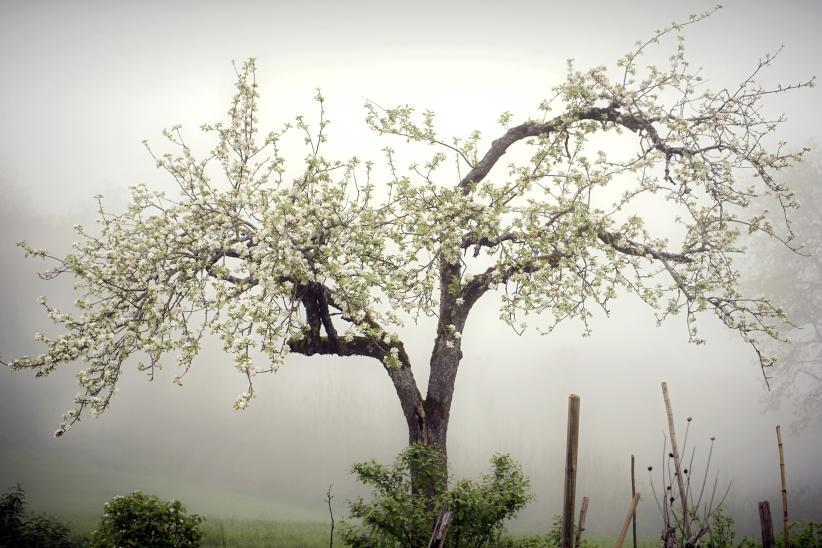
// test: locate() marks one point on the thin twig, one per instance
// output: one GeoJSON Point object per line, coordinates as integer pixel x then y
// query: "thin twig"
{"type": "Point", "coordinates": [328, 497]}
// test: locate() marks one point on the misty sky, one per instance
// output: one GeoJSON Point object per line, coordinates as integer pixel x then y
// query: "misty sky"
{"type": "Point", "coordinates": [83, 83]}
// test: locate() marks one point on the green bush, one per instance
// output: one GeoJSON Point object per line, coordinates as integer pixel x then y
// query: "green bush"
{"type": "Point", "coordinates": [721, 533]}
{"type": "Point", "coordinates": [552, 539]}
{"type": "Point", "coordinates": [138, 519]}
{"type": "Point", "coordinates": [18, 530]}
{"type": "Point", "coordinates": [806, 534]}
{"type": "Point", "coordinates": [399, 516]}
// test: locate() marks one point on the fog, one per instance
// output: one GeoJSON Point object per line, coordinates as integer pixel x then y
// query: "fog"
{"type": "Point", "coordinates": [84, 83]}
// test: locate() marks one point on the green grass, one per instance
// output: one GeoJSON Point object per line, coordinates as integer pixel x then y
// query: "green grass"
{"type": "Point", "coordinates": [258, 533]}
{"type": "Point", "coordinates": [235, 532]}
{"type": "Point", "coordinates": [264, 533]}
{"type": "Point", "coordinates": [597, 541]}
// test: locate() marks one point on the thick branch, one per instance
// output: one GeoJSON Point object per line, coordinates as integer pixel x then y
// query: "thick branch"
{"type": "Point", "coordinates": [479, 284]}
{"type": "Point", "coordinates": [351, 346]}
{"type": "Point", "coordinates": [611, 113]}
{"type": "Point", "coordinates": [471, 240]}
{"type": "Point", "coordinates": [500, 146]}
{"type": "Point", "coordinates": [637, 249]}
{"type": "Point", "coordinates": [401, 377]}
{"type": "Point", "coordinates": [531, 129]}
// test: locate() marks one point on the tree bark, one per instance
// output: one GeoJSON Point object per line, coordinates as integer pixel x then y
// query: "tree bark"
{"type": "Point", "coordinates": [766, 524]}
{"type": "Point", "coordinates": [429, 425]}
{"type": "Point", "coordinates": [444, 365]}
{"type": "Point", "coordinates": [428, 421]}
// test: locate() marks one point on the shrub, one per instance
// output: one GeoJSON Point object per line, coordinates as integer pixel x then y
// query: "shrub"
{"type": "Point", "coordinates": [721, 533]}
{"type": "Point", "coordinates": [401, 516]}
{"type": "Point", "coordinates": [806, 534]}
{"type": "Point", "coordinates": [138, 519]}
{"type": "Point", "coordinates": [552, 539]}
{"type": "Point", "coordinates": [18, 530]}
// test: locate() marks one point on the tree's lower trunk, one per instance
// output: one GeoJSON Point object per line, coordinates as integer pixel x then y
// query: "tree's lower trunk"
{"type": "Point", "coordinates": [430, 430]}
{"type": "Point", "coordinates": [428, 421]}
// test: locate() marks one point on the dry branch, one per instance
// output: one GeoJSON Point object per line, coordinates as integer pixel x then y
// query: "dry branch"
{"type": "Point", "coordinates": [785, 526]}
{"type": "Point", "coordinates": [683, 495]}
{"type": "Point", "coordinates": [631, 512]}
{"type": "Point", "coordinates": [441, 530]}
{"type": "Point", "coordinates": [583, 511]}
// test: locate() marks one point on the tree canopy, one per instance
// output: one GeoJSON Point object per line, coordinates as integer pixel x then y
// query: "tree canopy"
{"type": "Point", "coordinates": [330, 257]}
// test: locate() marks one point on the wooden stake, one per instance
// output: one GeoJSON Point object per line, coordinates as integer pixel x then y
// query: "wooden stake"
{"type": "Point", "coordinates": [581, 525]}
{"type": "Point", "coordinates": [440, 530]}
{"type": "Point", "coordinates": [633, 492]}
{"type": "Point", "coordinates": [785, 528]}
{"type": "Point", "coordinates": [683, 495]}
{"type": "Point", "coordinates": [631, 512]}
{"type": "Point", "coordinates": [572, 443]}
{"type": "Point", "coordinates": [765, 524]}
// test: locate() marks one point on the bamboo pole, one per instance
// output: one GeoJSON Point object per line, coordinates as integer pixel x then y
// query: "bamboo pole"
{"type": "Point", "coordinates": [683, 495]}
{"type": "Point", "coordinates": [631, 512]}
{"type": "Point", "coordinates": [765, 524]}
{"type": "Point", "coordinates": [583, 511]}
{"type": "Point", "coordinates": [633, 492]}
{"type": "Point", "coordinates": [785, 528]}
{"type": "Point", "coordinates": [571, 446]}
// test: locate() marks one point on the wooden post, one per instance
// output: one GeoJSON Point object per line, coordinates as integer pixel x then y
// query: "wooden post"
{"type": "Point", "coordinates": [785, 528]}
{"type": "Point", "coordinates": [571, 445]}
{"type": "Point", "coordinates": [583, 511]}
{"type": "Point", "coordinates": [765, 524]}
{"type": "Point", "coordinates": [631, 512]}
{"type": "Point", "coordinates": [440, 530]}
{"type": "Point", "coordinates": [683, 495]}
{"type": "Point", "coordinates": [633, 492]}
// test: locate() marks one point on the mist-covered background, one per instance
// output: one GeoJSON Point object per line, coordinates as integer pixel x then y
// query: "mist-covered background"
{"type": "Point", "coordinates": [83, 83]}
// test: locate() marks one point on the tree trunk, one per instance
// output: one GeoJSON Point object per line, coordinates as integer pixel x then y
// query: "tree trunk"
{"type": "Point", "coordinates": [428, 422]}
{"type": "Point", "coordinates": [428, 419]}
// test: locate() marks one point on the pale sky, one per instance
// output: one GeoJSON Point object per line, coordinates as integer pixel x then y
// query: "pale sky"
{"type": "Point", "coordinates": [83, 83]}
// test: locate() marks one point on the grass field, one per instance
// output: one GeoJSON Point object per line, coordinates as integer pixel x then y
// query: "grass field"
{"type": "Point", "coordinates": [261, 533]}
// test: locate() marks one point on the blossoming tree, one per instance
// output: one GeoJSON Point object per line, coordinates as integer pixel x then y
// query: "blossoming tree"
{"type": "Point", "coordinates": [332, 261]}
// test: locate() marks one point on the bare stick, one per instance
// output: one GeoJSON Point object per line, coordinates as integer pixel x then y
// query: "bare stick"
{"type": "Point", "coordinates": [328, 497]}
{"type": "Point", "coordinates": [631, 512]}
{"type": "Point", "coordinates": [683, 496]}
{"type": "Point", "coordinates": [765, 524]}
{"type": "Point", "coordinates": [785, 528]}
{"type": "Point", "coordinates": [572, 443]}
{"type": "Point", "coordinates": [633, 492]}
{"type": "Point", "coordinates": [440, 530]}
{"type": "Point", "coordinates": [583, 511]}
{"type": "Point", "coordinates": [665, 513]}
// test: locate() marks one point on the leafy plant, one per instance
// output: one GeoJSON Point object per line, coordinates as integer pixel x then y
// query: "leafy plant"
{"type": "Point", "coordinates": [403, 511]}
{"type": "Point", "coordinates": [721, 532]}
{"type": "Point", "coordinates": [18, 530]}
{"type": "Point", "coordinates": [553, 539]}
{"type": "Point", "coordinates": [806, 534]}
{"type": "Point", "coordinates": [138, 519]}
